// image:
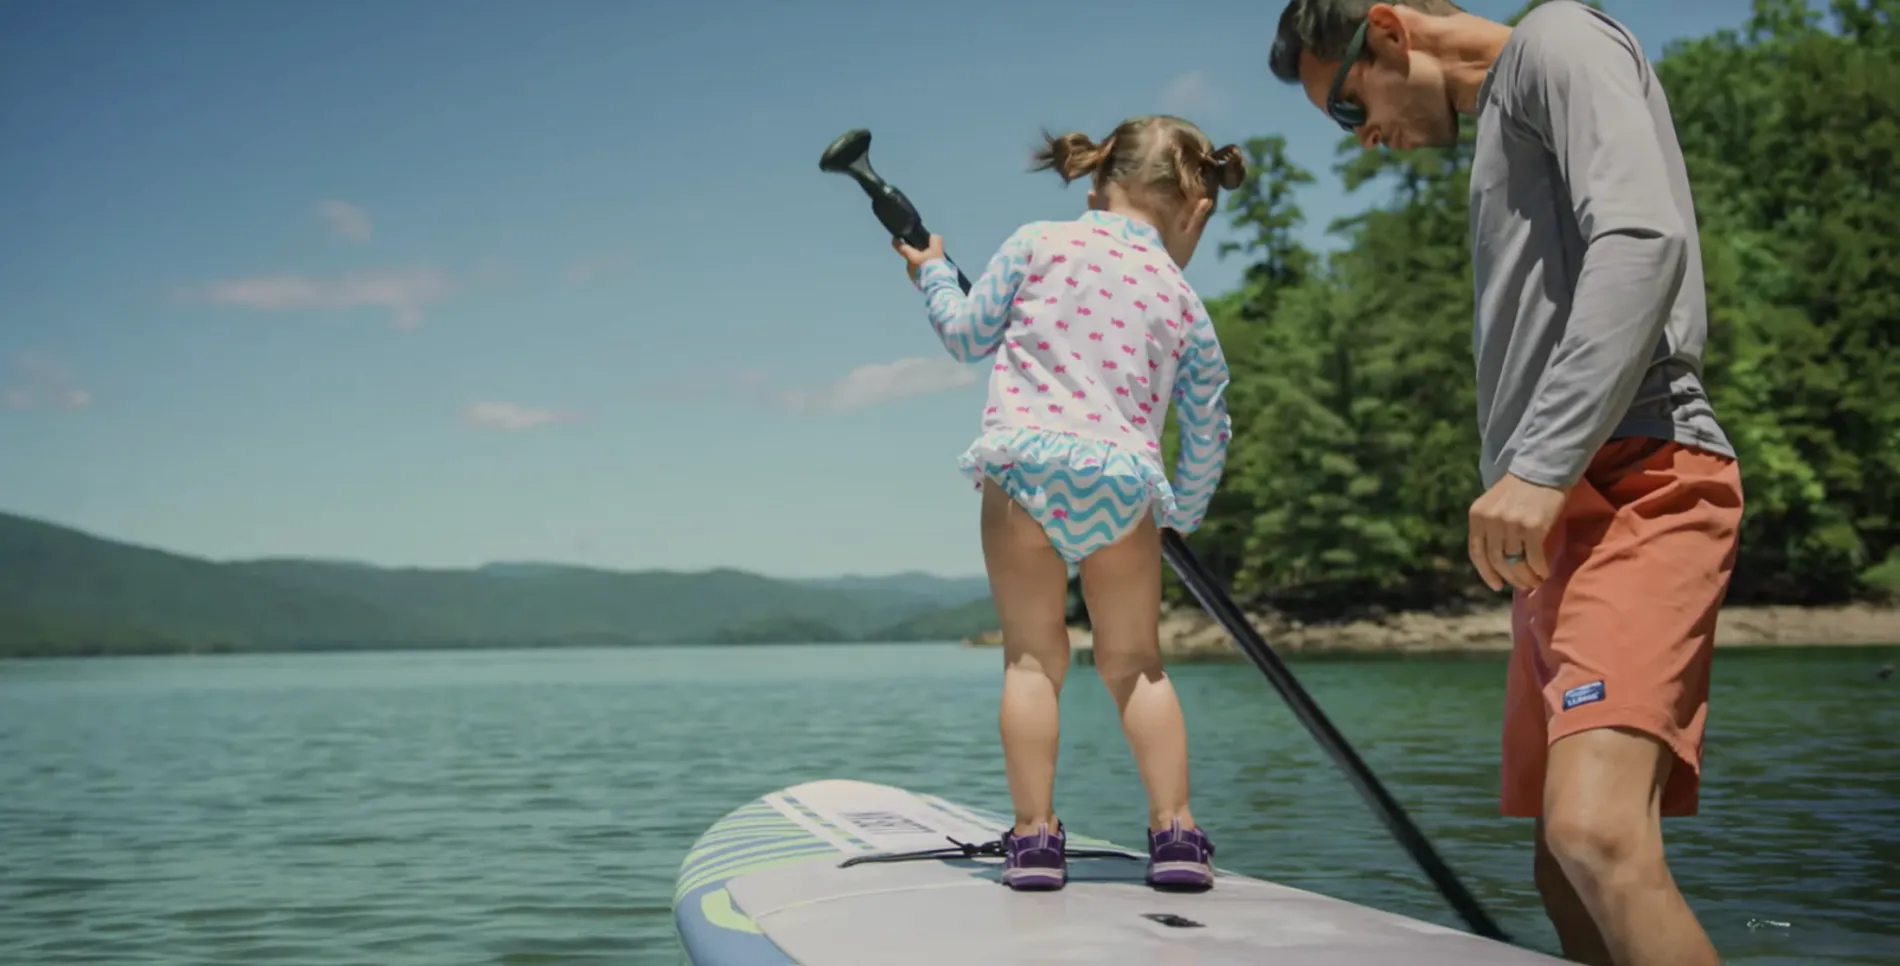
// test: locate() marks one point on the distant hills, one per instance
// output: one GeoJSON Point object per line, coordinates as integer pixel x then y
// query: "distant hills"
{"type": "Point", "coordinates": [65, 592]}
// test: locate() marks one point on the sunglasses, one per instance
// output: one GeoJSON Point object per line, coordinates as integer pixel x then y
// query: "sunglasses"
{"type": "Point", "coordinates": [1347, 114]}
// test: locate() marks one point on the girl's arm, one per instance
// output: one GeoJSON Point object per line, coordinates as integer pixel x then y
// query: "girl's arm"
{"type": "Point", "coordinates": [971, 326]}
{"type": "Point", "coordinates": [1200, 393]}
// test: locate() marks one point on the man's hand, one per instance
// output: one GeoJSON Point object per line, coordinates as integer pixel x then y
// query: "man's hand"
{"type": "Point", "coordinates": [1508, 524]}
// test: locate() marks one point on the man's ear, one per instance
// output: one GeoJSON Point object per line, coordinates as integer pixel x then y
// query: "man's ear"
{"type": "Point", "coordinates": [1387, 34]}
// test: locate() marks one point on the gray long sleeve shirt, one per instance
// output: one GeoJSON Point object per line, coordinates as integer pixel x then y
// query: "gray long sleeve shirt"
{"type": "Point", "coordinates": [1591, 315]}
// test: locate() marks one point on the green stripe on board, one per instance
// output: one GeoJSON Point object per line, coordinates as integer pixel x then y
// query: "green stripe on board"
{"type": "Point", "coordinates": [694, 868]}
{"type": "Point", "coordinates": [749, 865]}
{"type": "Point", "coordinates": [702, 858]}
{"type": "Point", "coordinates": [739, 821]}
{"type": "Point", "coordinates": [725, 842]}
{"type": "Point", "coordinates": [783, 828]}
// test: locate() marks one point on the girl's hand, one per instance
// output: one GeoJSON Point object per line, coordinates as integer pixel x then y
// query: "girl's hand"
{"type": "Point", "coordinates": [915, 259]}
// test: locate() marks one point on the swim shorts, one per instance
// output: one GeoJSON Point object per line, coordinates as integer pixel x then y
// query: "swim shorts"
{"type": "Point", "coordinates": [1086, 494]}
{"type": "Point", "coordinates": [1623, 632]}
{"type": "Point", "coordinates": [1081, 510]}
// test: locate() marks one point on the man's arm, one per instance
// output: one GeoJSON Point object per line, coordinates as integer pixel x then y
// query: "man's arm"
{"type": "Point", "coordinates": [971, 326]}
{"type": "Point", "coordinates": [1581, 88]}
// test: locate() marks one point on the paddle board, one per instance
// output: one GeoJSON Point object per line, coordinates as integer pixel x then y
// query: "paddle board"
{"type": "Point", "coordinates": [795, 879]}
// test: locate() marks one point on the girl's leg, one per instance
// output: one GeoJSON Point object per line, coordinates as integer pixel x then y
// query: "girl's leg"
{"type": "Point", "coordinates": [1122, 585]}
{"type": "Point", "coordinates": [1030, 583]}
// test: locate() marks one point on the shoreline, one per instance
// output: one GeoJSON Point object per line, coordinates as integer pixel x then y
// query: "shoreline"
{"type": "Point", "coordinates": [1189, 635]}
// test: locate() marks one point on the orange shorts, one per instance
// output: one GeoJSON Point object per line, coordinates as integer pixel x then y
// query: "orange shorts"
{"type": "Point", "coordinates": [1622, 633]}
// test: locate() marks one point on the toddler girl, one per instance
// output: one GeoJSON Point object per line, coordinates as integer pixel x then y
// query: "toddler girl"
{"type": "Point", "coordinates": [1093, 333]}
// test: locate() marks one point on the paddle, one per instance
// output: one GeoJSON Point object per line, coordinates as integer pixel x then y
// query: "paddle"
{"type": "Point", "coordinates": [850, 155]}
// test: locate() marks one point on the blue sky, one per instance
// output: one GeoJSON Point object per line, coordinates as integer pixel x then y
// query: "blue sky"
{"type": "Point", "coordinates": [427, 283]}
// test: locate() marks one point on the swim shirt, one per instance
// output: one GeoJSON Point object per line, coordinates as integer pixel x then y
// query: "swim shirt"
{"type": "Point", "coordinates": [1092, 333]}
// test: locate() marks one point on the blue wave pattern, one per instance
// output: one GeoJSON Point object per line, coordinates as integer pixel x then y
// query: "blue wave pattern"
{"type": "Point", "coordinates": [1085, 494]}
{"type": "Point", "coordinates": [1201, 408]}
{"type": "Point", "coordinates": [1072, 281]}
{"type": "Point", "coordinates": [1082, 511]}
{"type": "Point", "coordinates": [971, 326]}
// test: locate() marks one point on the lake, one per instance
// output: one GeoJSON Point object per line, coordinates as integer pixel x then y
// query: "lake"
{"type": "Point", "coordinates": [522, 807]}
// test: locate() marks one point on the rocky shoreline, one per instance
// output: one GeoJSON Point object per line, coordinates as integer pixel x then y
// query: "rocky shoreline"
{"type": "Point", "coordinates": [1189, 635]}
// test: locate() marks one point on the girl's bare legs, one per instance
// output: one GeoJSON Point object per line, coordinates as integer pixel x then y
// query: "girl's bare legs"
{"type": "Point", "coordinates": [1122, 585]}
{"type": "Point", "coordinates": [1030, 584]}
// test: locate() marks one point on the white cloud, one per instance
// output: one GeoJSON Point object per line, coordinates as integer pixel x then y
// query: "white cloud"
{"type": "Point", "coordinates": [39, 381]}
{"type": "Point", "coordinates": [1190, 94]}
{"type": "Point", "coordinates": [598, 267]}
{"type": "Point", "coordinates": [511, 417]}
{"type": "Point", "coordinates": [349, 222]}
{"type": "Point", "coordinates": [882, 382]}
{"type": "Point", "coordinates": [403, 291]}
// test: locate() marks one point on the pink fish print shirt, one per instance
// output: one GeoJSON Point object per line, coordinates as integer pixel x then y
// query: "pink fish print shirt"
{"type": "Point", "coordinates": [1092, 333]}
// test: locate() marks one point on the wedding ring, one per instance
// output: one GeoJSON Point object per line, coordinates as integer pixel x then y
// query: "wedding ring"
{"type": "Point", "coordinates": [1513, 558]}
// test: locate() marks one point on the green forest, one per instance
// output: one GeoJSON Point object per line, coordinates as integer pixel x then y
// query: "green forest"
{"type": "Point", "coordinates": [1354, 459]}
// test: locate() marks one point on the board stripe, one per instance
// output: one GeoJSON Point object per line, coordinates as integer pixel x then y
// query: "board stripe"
{"type": "Point", "coordinates": [854, 843]}
{"type": "Point", "coordinates": [771, 858]}
{"type": "Point", "coordinates": [751, 837]}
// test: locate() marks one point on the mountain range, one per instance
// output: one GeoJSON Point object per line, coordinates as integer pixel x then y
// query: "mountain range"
{"type": "Point", "coordinates": [66, 592]}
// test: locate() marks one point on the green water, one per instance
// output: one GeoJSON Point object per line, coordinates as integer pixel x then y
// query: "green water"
{"type": "Point", "coordinates": [532, 807]}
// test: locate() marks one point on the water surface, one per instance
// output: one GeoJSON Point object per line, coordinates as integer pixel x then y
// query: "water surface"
{"type": "Point", "coordinates": [533, 806]}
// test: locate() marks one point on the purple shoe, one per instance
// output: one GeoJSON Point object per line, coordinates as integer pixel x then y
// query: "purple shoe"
{"type": "Point", "coordinates": [1180, 859]}
{"type": "Point", "coordinates": [1035, 862]}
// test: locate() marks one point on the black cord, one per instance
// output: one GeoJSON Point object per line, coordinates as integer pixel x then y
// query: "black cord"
{"type": "Point", "coordinates": [967, 850]}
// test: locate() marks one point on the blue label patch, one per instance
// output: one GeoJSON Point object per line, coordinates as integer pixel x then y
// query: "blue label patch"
{"type": "Point", "coordinates": [1583, 694]}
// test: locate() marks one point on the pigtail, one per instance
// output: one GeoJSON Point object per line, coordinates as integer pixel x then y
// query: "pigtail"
{"type": "Point", "coordinates": [1072, 156]}
{"type": "Point", "coordinates": [1230, 167]}
{"type": "Point", "coordinates": [1199, 171]}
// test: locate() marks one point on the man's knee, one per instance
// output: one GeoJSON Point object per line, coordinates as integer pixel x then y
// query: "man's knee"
{"type": "Point", "coordinates": [1546, 871]}
{"type": "Point", "coordinates": [1601, 824]}
{"type": "Point", "coordinates": [1596, 846]}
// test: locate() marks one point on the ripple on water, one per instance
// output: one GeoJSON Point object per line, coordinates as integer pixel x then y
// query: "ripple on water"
{"type": "Point", "coordinates": [534, 807]}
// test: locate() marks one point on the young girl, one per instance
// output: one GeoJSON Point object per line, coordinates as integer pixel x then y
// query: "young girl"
{"type": "Point", "coordinates": [1093, 333]}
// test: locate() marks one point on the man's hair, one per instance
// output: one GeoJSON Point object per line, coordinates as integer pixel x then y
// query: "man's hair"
{"type": "Point", "coordinates": [1325, 27]}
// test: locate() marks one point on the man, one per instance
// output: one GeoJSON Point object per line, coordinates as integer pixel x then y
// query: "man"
{"type": "Point", "coordinates": [1612, 497]}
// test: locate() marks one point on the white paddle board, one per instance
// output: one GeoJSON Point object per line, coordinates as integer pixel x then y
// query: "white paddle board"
{"type": "Point", "coordinates": [773, 883]}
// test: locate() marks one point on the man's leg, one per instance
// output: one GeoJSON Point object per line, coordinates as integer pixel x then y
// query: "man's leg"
{"type": "Point", "coordinates": [1609, 693]}
{"type": "Point", "coordinates": [1602, 830]}
{"type": "Point", "coordinates": [1576, 930]}
{"type": "Point", "coordinates": [1526, 749]}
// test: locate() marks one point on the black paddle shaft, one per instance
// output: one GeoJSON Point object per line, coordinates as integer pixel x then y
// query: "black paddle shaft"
{"type": "Point", "coordinates": [850, 155]}
{"type": "Point", "coordinates": [1216, 602]}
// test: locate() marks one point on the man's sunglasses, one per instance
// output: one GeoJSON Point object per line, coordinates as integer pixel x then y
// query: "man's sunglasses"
{"type": "Point", "coordinates": [1347, 114]}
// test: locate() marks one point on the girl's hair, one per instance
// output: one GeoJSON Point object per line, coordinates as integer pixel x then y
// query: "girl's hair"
{"type": "Point", "coordinates": [1159, 156]}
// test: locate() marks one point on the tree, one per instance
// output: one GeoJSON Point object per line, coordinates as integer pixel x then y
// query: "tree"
{"type": "Point", "coordinates": [1354, 457]}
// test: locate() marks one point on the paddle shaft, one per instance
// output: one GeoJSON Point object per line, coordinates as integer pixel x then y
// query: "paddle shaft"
{"type": "Point", "coordinates": [1223, 609]}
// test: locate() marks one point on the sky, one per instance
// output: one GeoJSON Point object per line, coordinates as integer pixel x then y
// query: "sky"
{"type": "Point", "coordinates": [434, 284]}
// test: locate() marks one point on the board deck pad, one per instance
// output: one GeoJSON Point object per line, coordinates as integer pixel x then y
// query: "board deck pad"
{"type": "Point", "coordinates": [765, 886]}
